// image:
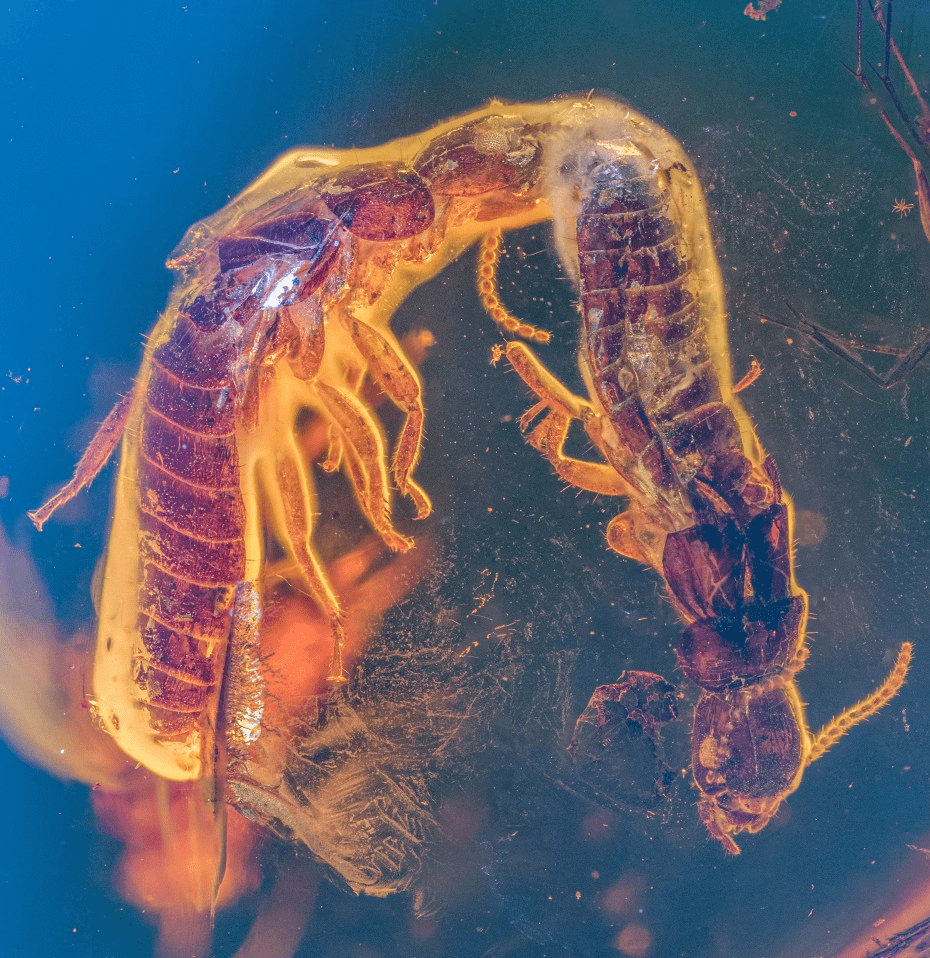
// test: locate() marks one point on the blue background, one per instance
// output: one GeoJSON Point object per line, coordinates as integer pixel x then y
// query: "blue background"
{"type": "Point", "coordinates": [125, 123]}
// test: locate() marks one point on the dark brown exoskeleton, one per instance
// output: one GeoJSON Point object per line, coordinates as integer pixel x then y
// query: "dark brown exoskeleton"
{"type": "Point", "coordinates": [282, 303]}
{"type": "Point", "coordinates": [706, 508]}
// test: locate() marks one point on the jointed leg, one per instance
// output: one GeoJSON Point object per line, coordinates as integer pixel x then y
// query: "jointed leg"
{"type": "Point", "coordinates": [400, 381]}
{"type": "Point", "coordinates": [94, 459]}
{"type": "Point", "coordinates": [333, 459]}
{"type": "Point", "coordinates": [550, 435]}
{"type": "Point", "coordinates": [553, 394]}
{"type": "Point", "coordinates": [363, 452]}
{"type": "Point", "coordinates": [290, 493]}
{"type": "Point", "coordinates": [598, 477]}
{"type": "Point", "coordinates": [632, 535]}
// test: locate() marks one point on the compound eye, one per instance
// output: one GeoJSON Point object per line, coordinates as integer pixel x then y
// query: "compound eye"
{"type": "Point", "coordinates": [492, 154]}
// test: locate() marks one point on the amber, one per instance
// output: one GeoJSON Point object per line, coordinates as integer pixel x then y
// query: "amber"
{"type": "Point", "coordinates": [281, 312]}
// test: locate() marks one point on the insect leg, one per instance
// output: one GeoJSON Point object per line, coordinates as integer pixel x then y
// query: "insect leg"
{"type": "Point", "coordinates": [753, 373]}
{"type": "Point", "coordinates": [363, 448]}
{"type": "Point", "coordinates": [629, 534]}
{"type": "Point", "coordinates": [597, 477]}
{"type": "Point", "coordinates": [549, 436]}
{"type": "Point", "coordinates": [397, 377]}
{"type": "Point", "coordinates": [306, 335]}
{"type": "Point", "coordinates": [291, 500]}
{"type": "Point", "coordinates": [333, 459]}
{"type": "Point", "coordinates": [94, 459]}
{"type": "Point", "coordinates": [553, 394]}
{"type": "Point", "coordinates": [633, 535]}
{"type": "Point", "coordinates": [837, 727]}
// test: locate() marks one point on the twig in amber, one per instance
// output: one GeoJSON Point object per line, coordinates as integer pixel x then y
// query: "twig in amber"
{"type": "Point", "coordinates": [892, 47]}
{"type": "Point", "coordinates": [918, 131]}
{"type": "Point", "coordinates": [849, 350]}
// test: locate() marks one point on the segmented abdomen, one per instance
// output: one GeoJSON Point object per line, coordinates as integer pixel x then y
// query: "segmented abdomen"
{"type": "Point", "coordinates": [191, 522]}
{"type": "Point", "coordinates": [644, 329]}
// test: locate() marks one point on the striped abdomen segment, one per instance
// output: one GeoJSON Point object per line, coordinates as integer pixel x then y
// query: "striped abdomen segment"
{"type": "Point", "coordinates": [191, 521]}
{"type": "Point", "coordinates": [644, 332]}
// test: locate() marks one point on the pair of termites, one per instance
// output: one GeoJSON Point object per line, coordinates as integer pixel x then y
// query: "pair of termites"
{"type": "Point", "coordinates": [283, 302]}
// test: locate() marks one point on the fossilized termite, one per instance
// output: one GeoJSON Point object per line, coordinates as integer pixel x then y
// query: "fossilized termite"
{"type": "Point", "coordinates": [706, 508]}
{"type": "Point", "coordinates": [283, 302]}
